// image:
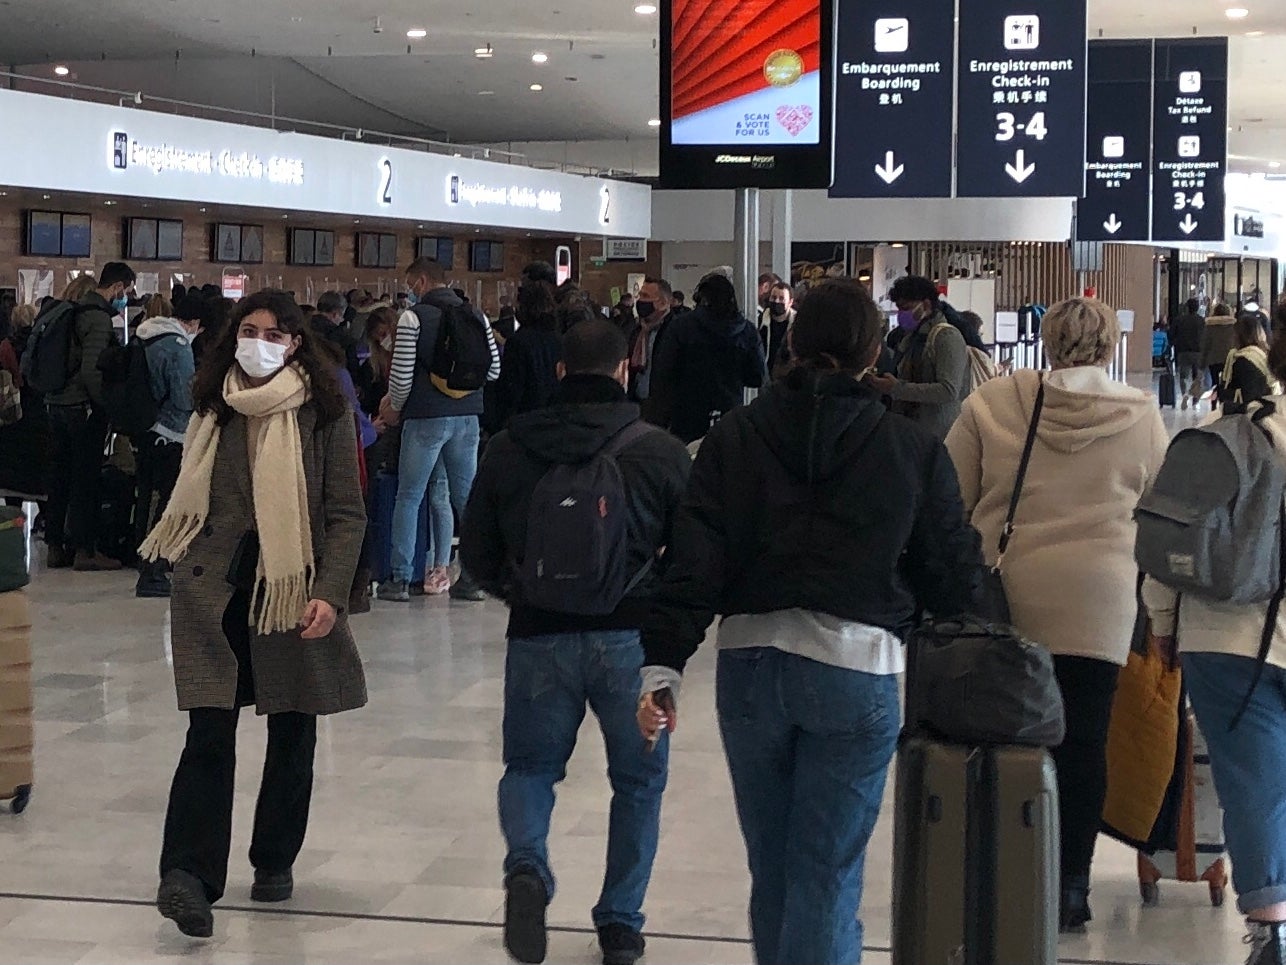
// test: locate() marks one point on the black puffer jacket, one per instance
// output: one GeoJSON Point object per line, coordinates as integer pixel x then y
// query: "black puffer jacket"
{"type": "Point", "coordinates": [583, 414]}
{"type": "Point", "coordinates": [702, 368]}
{"type": "Point", "coordinates": [815, 497]}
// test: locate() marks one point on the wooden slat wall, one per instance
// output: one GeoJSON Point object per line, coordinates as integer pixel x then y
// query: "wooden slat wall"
{"type": "Point", "coordinates": [1024, 271]}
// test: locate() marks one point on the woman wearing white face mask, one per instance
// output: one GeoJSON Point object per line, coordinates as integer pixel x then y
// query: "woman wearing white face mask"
{"type": "Point", "coordinates": [264, 529]}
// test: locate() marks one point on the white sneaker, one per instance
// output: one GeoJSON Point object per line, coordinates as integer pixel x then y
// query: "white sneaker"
{"type": "Point", "coordinates": [438, 581]}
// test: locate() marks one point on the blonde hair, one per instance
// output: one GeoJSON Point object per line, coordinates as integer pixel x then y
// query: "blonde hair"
{"type": "Point", "coordinates": [79, 287]}
{"type": "Point", "coordinates": [24, 316]}
{"type": "Point", "coordinates": [158, 306]}
{"type": "Point", "coordinates": [1080, 331]}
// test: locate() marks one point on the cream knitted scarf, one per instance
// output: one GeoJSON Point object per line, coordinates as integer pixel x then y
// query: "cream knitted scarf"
{"type": "Point", "coordinates": [279, 488]}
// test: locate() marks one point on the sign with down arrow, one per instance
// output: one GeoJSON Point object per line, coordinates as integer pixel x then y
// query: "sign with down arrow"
{"type": "Point", "coordinates": [1118, 143]}
{"type": "Point", "coordinates": [894, 73]}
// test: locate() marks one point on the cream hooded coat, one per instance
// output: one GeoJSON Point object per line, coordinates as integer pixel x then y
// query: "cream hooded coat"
{"type": "Point", "coordinates": [1070, 573]}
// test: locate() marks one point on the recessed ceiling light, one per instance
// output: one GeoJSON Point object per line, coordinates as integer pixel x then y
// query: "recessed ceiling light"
{"type": "Point", "coordinates": [486, 93]}
{"type": "Point", "coordinates": [1236, 13]}
{"type": "Point", "coordinates": [654, 122]}
{"type": "Point", "coordinates": [109, 203]}
{"type": "Point", "coordinates": [540, 57]}
{"type": "Point", "coordinates": [537, 87]}
{"type": "Point", "coordinates": [484, 53]}
{"type": "Point", "coordinates": [45, 197]}
{"type": "Point", "coordinates": [645, 9]}
{"type": "Point", "coordinates": [417, 33]}
{"type": "Point", "coordinates": [62, 70]}
{"type": "Point", "coordinates": [1254, 33]}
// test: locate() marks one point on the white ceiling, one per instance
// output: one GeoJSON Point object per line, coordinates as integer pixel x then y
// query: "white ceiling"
{"type": "Point", "coordinates": [322, 60]}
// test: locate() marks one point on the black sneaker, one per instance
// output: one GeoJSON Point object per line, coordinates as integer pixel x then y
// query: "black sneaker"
{"type": "Point", "coordinates": [466, 590]}
{"type": "Point", "coordinates": [272, 886]}
{"type": "Point", "coordinates": [621, 944]}
{"type": "Point", "coordinates": [525, 904]}
{"type": "Point", "coordinates": [181, 898]}
{"type": "Point", "coordinates": [394, 591]}
{"type": "Point", "coordinates": [60, 558]}
{"type": "Point", "coordinates": [1074, 906]}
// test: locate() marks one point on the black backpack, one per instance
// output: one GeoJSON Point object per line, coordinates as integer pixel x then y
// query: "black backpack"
{"type": "Point", "coordinates": [127, 385]}
{"type": "Point", "coordinates": [48, 360]}
{"type": "Point", "coordinates": [462, 355]}
{"type": "Point", "coordinates": [577, 549]}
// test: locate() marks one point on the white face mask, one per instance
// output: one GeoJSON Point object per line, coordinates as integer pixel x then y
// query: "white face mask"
{"type": "Point", "coordinates": [386, 343]}
{"type": "Point", "coordinates": [260, 359]}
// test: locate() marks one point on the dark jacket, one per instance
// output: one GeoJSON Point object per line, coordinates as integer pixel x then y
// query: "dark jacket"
{"type": "Point", "coordinates": [585, 412]}
{"type": "Point", "coordinates": [815, 497]}
{"type": "Point", "coordinates": [701, 371]}
{"type": "Point", "coordinates": [528, 373]}
{"type": "Point", "coordinates": [94, 332]}
{"type": "Point", "coordinates": [1186, 332]}
{"type": "Point", "coordinates": [24, 446]}
{"type": "Point", "coordinates": [425, 401]}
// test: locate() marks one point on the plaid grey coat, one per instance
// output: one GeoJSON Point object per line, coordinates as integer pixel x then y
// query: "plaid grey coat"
{"type": "Point", "coordinates": [290, 674]}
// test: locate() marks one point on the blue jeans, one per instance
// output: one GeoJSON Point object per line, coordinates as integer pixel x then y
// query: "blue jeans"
{"type": "Point", "coordinates": [548, 681]}
{"type": "Point", "coordinates": [454, 440]}
{"type": "Point", "coordinates": [441, 519]}
{"type": "Point", "coordinates": [1249, 767]}
{"type": "Point", "coordinates": [808, 747]}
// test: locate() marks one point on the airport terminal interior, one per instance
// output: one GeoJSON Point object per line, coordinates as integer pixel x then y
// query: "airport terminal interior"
{"type": "Point", "coordinates": [294, 184]}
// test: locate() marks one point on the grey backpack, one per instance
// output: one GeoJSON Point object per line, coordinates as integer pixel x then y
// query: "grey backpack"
{"type": "Point", "coordinates": [1211, 523]}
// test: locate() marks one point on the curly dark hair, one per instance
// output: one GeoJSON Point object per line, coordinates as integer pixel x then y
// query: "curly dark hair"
{"type": "Point", "coordinates": [207, 387]}
{"type": "Point", "coordinates": [913, 288]}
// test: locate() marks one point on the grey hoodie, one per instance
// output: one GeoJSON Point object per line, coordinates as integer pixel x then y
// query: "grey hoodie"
{"type": "Point", "coordinates": [171, 368]}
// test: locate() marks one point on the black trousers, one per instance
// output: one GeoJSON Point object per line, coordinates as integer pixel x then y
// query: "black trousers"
{"type": "Point", "coordinates": [1089, 687]}
{"type": "Point", "coordinates": [198, 822]}
{"type": "Point", "coordinates": [157, 462]}
{"type": "Point", "coordinates": [77, 436]}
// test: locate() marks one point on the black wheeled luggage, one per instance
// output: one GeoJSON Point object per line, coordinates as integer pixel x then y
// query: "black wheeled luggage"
{"type": "Point", "coordinates": [975, 878]}
{"type": "Point", "coordinates": [1167, 393]}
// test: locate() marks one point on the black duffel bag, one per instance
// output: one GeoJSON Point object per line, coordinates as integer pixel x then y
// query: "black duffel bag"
{"type": "Point", "coordinates": [972, 682]}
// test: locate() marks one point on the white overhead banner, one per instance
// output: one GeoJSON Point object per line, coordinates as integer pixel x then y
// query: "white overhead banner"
{"type": "Point", "coordinates": [123, 151]}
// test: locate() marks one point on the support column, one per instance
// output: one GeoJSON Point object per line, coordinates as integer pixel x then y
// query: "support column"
{"type": "Point", "coordinates": [745, 255]}
{"type": "Point", "coordinates": [783, 232]}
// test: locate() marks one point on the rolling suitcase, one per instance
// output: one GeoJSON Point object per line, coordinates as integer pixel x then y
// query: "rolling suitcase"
{"type": "Point", "coordinates": [383, 501]}
{"type": "Point", "coordinates": [1167, 393]}
{"type": "Point", "coordinates": [975, 877]}
{"type": "Point", "coordinates": [1200, 853]}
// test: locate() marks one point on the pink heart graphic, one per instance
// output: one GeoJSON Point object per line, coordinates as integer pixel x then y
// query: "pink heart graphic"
{"type": "Point", "coordinates": [795, 119]}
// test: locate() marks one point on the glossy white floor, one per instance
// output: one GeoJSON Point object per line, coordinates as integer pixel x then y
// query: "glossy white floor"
{"type": "Point", "coordinates": [403, 855]}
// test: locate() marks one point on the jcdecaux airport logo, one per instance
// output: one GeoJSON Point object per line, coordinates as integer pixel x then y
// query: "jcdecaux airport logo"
{"type": "Point", "coordinates": [164, 158]}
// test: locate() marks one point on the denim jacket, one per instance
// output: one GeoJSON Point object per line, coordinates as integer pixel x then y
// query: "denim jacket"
{"type": "Point", "coordinates": [171, 367]}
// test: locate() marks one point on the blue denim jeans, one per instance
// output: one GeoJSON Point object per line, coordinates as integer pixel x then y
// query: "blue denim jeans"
{"type": "Point", "coordinates": [548, 681]}
{"type": "Point", "coordinates": [808, 747]}
{"type": "Point", "coordinates": [1249, 766]}
{"type": "Point", "coordinates": [453, 440]}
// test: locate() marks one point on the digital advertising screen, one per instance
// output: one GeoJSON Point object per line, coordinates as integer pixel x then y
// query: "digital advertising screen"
{"type": "Point", "coordinates": [747, 92]}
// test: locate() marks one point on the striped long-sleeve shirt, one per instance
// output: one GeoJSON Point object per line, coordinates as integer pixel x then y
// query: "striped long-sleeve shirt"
{"type": "Point", "coordinates": [406, 356]}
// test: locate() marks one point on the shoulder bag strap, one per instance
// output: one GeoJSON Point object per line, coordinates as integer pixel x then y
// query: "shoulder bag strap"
{"type": "Point", "coordinates": [1007, 533]}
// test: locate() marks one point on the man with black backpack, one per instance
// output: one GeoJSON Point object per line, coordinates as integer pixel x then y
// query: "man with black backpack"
{"type": "Point", "coordinates": [62, 361]}
{"type": "Point", "coordinates": [572, 508]}
{"type": "Point", "coordinates": [443, 357]}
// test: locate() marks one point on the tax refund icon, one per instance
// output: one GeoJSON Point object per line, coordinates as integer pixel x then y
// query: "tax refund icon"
{"type": "Point", "coordinates": [892, 35]}
{"type": "Point", "coordinates": [1022, 32]}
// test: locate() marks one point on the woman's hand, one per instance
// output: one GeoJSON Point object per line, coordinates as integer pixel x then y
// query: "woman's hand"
{"type": "Point", "coordinates": [318, 620]}
{"type": "Point", "coordinates": [883, 384]}
{"type": "Point", "coordinates": [656, 713]}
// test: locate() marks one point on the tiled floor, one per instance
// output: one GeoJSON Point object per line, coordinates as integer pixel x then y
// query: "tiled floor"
{"type": "Point", "coordinates": [403, 854]}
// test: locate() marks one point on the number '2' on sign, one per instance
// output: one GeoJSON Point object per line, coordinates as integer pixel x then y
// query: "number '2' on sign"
{"type": "Point", "coordinates": [1007, 126]}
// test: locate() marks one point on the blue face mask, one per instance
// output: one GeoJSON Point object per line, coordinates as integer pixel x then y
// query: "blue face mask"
{"type": "Point", "coordinates": [120, 304]}
{"type": "Point", "coordinates": [908, 321]}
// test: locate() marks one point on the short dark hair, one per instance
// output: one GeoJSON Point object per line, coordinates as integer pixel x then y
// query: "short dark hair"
{"type": "Point", "coordinates": [330, 303]}
{"type": "Point", "coordinates": [662, 284]}
{"type": "Point", "coordinates": [837, 327]}
{"type": "Point", "coordinates": [781, 286]}
{"type": "Point", "coordinates": [594, 347]}
{"type": "Point", "coordinates": [680, 297]}
{"type": "Point", "coordinates": [1193, 306]}
{"type": "Point", "coordinates": [116, 272]}
{"type": "Point", "coordinates": [913, 288]}
{"type": "Point", "coordinates": [540, 271]}
{"type": "Point", "coordinates": [191, 308]}
{"type": "Point", "coordinates": [717, 296]}
{"type": "Point", "coordinates": [769, 278]}
{"type": "Point", "coordinates": [427, 268]}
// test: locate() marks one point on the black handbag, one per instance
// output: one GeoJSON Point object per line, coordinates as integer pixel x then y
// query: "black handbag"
{"type": "Point", "coordinates": [994, 602]}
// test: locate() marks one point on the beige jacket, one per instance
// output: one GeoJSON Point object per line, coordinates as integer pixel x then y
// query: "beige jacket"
{"type": "Point", "coordinates": [1070, 573]}
{"type": "Point", "coordinates": [1208, 627]}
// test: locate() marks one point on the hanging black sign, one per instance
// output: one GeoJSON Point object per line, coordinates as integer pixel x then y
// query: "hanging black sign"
{"type": "Point", "coordinates": [894, 78]}
{"type": "Point", "coordinates": [1021, 99]}
{"type": "Point", "coordinates": [1118, 143]}
{"type": "Point", "coordinates": [1190, 140]}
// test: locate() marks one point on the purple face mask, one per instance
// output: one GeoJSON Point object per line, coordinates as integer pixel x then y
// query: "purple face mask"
{"type": "Point", "coordinates": [908, 321]}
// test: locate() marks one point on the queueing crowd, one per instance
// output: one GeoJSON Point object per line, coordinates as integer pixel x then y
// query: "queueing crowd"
{"type": "Point", "coordinates": [866, 485]}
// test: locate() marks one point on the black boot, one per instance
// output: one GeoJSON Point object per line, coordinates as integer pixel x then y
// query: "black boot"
{"type": "Point", "coordinates": [153, 581]}
{"type": "Point", "coordinates": [1267, 943]}
{"type": "Point", "coordinates": [1074, 906]}
{"type": "Point", "coordinates": [182, 899]}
